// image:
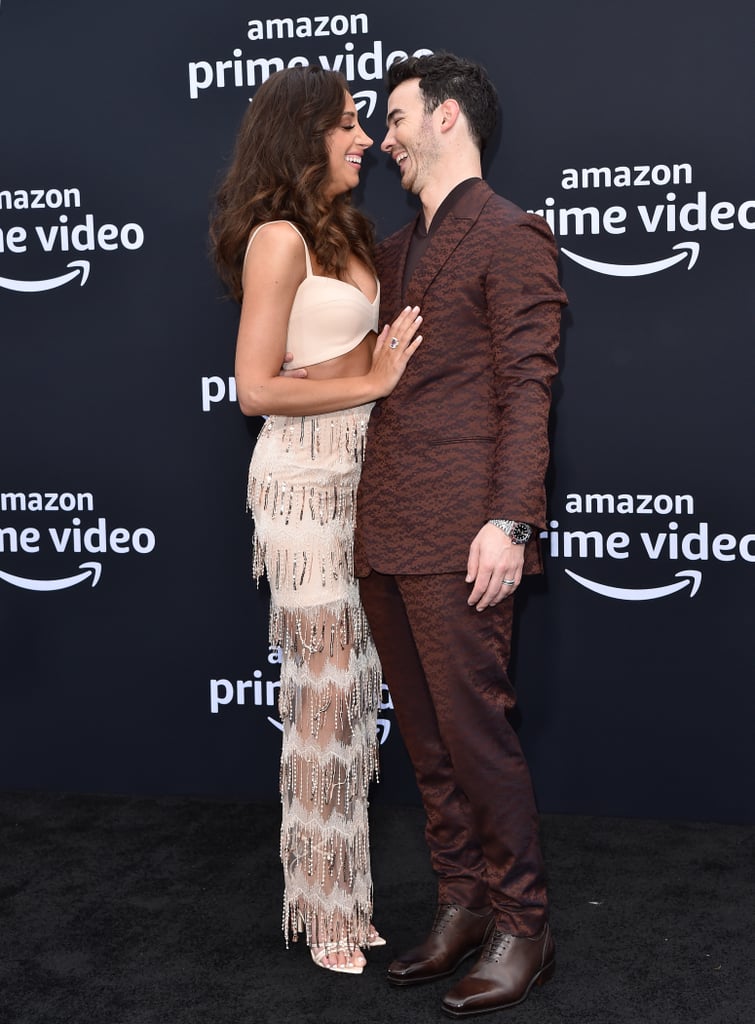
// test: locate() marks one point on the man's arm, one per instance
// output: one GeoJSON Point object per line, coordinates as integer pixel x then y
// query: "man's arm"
{"type": "Point", "coordinates": [524, 301]}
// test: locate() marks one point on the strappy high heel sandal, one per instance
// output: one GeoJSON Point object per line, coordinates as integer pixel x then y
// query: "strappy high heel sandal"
{"type": "Point", "coordinates": [333, 949]}
{"type": "Point", "coordinates": [374, 938]}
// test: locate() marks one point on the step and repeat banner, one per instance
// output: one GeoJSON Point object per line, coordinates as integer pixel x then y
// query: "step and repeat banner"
{"type": "Point", "coordinates": [134, 654]}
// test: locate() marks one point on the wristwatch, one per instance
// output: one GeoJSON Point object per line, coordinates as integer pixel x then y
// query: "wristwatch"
{"type": "Point", "coordinates": [519, 533]}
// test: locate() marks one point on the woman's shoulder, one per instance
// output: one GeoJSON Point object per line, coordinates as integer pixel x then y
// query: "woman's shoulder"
{"type": "Point", "coordinates": [277, 240]}
{"type": "Point", "coordinates": [277, 232]}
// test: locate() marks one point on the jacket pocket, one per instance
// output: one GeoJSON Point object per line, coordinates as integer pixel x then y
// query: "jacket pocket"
{"type": "Point", "coordinates": [473, 439]}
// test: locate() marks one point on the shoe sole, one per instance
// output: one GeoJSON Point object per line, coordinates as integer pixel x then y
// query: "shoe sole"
{"type": "Point", "coordinates": [543, 975]}
{"type": "Point", "coordinates": [403, 982]}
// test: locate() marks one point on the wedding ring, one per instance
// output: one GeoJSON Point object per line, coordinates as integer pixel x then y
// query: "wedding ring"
{"type": "Point", "coordinates": [509, 583]}
{"type": "Point", "coordinates": [393, 343]}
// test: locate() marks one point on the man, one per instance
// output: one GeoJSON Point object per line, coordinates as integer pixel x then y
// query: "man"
{"type": "Point", "coordinates": [450, 502]}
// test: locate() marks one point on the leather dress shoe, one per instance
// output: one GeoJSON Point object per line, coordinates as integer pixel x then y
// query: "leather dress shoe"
{"type": "Point", "coordinates": [456, 934]}
{"type": "Point", "coordinates": [503, 976]}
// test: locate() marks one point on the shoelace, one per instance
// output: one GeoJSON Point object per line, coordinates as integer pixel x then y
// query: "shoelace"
{"type": "Point", "coordinates": [443, 915]}
{"type": "Point", "coordinates": [497, 945]}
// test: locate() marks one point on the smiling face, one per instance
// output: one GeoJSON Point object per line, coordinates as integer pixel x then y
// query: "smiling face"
{"type": "Point", "coordinates": [411, 140]}
{"type": "Point", "coordinates": [346, 144]}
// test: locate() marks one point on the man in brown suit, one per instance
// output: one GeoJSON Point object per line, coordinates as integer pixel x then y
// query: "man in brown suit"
{"type": "Point", "coordinates": [450, 502]}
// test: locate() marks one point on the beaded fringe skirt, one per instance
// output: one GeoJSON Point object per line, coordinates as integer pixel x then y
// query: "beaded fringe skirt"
{"type": "Point", "coordinates": [303, 481]}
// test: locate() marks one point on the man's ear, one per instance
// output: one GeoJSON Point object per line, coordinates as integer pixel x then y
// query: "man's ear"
{"type": "Point", "coordinates": [449, 114]}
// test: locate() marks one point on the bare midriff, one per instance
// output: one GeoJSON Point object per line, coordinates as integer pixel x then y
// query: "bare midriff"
{"type": "Point", "coordinates": [355, 363]}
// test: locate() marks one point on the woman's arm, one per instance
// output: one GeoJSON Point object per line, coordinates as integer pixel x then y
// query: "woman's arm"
{"type": "Point", "coordinates": [275, 267]}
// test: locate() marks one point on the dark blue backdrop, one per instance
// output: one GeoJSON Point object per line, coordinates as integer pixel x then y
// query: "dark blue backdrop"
{"type": "Point", "coordinates": [134, 654]}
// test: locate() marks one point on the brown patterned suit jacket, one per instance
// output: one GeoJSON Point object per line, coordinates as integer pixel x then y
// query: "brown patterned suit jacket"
{"type": "Point", "coordinates": [463, 438]}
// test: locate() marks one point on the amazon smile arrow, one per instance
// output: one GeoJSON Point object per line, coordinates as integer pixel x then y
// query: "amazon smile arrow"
{"type": "Point", "coordinates": [93, 569]}
{"type": "Point", "coordinates": [81, 267]}
{"type": "Point", "coordinates": [383, 728]}
{"type": "Point", "coordinates": [690, 250]}
{"type": "Point", "coordinates": [693, 576]}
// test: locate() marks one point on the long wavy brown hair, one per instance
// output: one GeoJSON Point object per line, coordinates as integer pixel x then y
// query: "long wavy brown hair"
{"type": "Point", "coordinates": [279, 171]}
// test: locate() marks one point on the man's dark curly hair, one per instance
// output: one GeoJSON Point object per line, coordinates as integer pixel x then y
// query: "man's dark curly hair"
{"type": "Point", "coordinates": [443, 76]}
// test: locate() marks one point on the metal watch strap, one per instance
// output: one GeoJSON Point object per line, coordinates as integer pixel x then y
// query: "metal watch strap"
{"type": "Point", "coordinates": [519, 533]}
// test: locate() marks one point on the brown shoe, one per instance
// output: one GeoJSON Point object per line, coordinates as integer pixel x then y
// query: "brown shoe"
{"type": "Point", "coordinates": [456, 934]}
{"type": "Point", "coordinates": [504, 974]}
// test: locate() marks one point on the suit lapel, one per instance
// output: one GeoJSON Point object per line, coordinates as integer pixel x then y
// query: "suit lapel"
{"type": "Point", "coordinates": [456, 225]}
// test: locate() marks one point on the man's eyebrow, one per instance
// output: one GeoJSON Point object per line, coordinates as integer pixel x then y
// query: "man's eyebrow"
{"type": "Point", "coordinates": [392, 115]}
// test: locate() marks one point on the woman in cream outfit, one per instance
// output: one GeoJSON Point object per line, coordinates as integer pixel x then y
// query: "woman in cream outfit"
{"type": "Point", "coordinates": [298, 257]}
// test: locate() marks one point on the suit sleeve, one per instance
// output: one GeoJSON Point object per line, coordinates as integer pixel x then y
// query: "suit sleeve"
{"type": "Point", "coordinates": [524, 301]}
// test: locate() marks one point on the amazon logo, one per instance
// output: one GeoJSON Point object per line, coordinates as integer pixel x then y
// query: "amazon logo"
{"type": "Point", "coordinates": [78, 536]}
{"type": "Point", "coordinates": [577, 225]}
{"type": "Point", "coordinates": [72, 234]}
{"type": "Point", "coordinates": [658, 550]}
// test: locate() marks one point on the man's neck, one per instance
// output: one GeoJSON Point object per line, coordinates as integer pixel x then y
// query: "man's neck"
{"type": "Point", "coordinates": [444, 183]}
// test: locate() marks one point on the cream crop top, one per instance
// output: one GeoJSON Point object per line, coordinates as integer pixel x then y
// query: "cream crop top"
{"type": "Point", "coordinates": [328, 318]}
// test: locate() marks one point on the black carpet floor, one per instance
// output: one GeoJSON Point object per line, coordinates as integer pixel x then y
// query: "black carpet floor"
{"type": "Point", "coordinates": [167, 911]}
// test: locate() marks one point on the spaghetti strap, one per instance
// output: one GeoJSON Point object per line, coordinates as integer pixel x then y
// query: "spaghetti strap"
{"type": "Point", "coordinates": [264, 224]}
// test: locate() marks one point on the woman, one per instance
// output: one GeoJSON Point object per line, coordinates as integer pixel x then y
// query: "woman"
{"type": "Point", "coordinates": [298, 257]}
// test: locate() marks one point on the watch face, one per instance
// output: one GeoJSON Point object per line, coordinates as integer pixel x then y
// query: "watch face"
{"type": "Point", "coordinates": [521, 533]}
